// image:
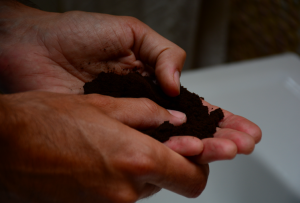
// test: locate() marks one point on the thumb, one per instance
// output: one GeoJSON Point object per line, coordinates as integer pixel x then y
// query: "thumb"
{"type": "Point", "coordinates": [157, 51]}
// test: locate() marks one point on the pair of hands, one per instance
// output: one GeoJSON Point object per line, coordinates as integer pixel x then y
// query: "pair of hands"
{"type": "Point", "coordinates": [72, 147]}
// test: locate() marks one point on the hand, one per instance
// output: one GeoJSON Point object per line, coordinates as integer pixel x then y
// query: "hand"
{"type": "Point", "coordinates": [235, 135]}
{"type": "Point", "coordinates": [71, 148]}
{"type": "Point", "coordinates": [59, 52]}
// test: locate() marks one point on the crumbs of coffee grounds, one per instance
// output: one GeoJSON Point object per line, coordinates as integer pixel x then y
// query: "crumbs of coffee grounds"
{"type": "Point", "coordinates": [199, 123]}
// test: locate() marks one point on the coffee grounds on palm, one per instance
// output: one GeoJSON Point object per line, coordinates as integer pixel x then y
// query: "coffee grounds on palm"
{"type": "Point", "coordinates": [199, 122]}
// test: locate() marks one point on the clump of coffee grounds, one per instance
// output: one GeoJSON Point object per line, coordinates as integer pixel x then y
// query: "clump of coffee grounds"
{"type": "Point", "coordinates": [199, 123]}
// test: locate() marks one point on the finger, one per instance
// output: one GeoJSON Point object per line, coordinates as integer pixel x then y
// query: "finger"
{"type": "Point", "coordinates": [185, 145]}
{"type": "Point", "coordinates": [144, 160]}
{"type": "Point", "coordinates": [216, 149]}
{"type": "Point", "coordinates": [168, 70]}
{"type": "Point", "coordinates": [150, 161]}
{"type": "Point", "coordinates": [244, 142]}
{"type": "Point", "coordinates": [192, 146]}
{"type": "Point", "coordinates": [236, 122]}
{"type": "Point", "coordinates": [167, 58]}
{"type": "Point", "coordinates": [178, 174]}
{"type": "Point", "coordinates": [241, 124]}
{"type": "Point", "coordinates": [138, 113]}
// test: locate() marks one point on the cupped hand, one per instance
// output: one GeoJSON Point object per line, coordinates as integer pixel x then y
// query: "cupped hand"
{"type": "Point", "coordinates": [59, 52]}
{"type": "Point", "coordinates": [235, 135]}
{"type": "Point", "coordinates": [71, 148]}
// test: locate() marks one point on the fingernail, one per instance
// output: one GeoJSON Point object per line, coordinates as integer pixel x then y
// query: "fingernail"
{"type": "Point", "coordinates": [176, 79]}
{"type": "Point", "coordinates": [178, 114]}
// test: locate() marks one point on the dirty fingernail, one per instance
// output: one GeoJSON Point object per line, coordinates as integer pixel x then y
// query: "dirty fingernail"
{"type": "Point", "coordinates": [178, 114]}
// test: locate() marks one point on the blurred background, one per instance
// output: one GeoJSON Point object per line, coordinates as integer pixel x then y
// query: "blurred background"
{"type": "Point", "coordinates": [212, 32]}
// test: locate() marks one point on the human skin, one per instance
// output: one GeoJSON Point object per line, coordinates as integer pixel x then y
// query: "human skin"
{"type": "Point", "coordinates": [71, 148]}
{"type": "Point", "coordinates": [60, 52]}
{"type": "Point", "coordinates": [55, 52]}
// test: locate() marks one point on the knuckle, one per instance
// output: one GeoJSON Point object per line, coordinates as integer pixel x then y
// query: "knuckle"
{"type": "Point", "coordinates": [92, 97]}
{"type": "Point", "coordinates": [131, 19]}
{"type": "Point", "coordinates": [136, 23]}
{"type": "Point", "coordinates": [151, 106]}
{"type": "Point", "coordinates": [100, 100]}
{"type": "Point", "coordinates": [137, 164]}
{"type": "Point", "coordinates": [182, 52]}
{"type": "Point", "coordinates": [232, 152]}
{"type": "Point", "coordinates": [197, 190]}
{"type": "Point", "coordinates": [72, 14]}
{"type": "Point", "coordinates": [127, 195]}
{"type": "Point", "coordinates": [144, 166]}
{"type": "Point", "coordinates": [118, 191]}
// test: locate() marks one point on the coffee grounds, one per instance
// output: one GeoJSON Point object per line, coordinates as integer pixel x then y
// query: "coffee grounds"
{"type": "Point", "coordinates": [199, 123]}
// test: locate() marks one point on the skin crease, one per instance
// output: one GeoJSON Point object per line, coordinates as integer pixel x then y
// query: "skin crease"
{"type": "Point", "coordinates": [52, 52]}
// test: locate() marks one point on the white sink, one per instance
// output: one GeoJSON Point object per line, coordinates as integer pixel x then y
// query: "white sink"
{"type": "Point", "coordinates": [266, 91]}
